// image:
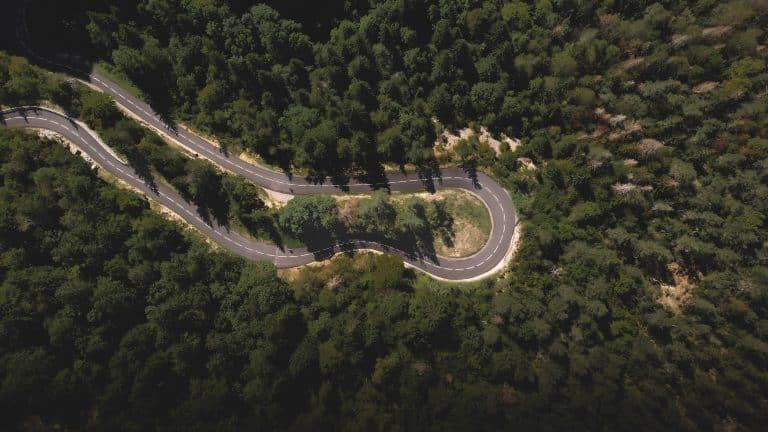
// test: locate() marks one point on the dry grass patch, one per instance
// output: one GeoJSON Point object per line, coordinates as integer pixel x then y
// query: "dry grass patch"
{"type": "Point", "coordinates": [468, 240]}
{"type": "Point", "coordinates": [677, 296]}
{"type": "Point", "coordinates": [648, 147]}
{"type": "Point", "coordinates": [471, 221]}
{"type": "Point", "coordinates": [324, 274]}
{"type": "Point", "coordinates": [274, 199]}
{"type": "Point", "coordinates": [632, 63]}
{"type": "Point", "coordinates": [717, 31]}
{"type": "Point", "coordinates": [705, 87]}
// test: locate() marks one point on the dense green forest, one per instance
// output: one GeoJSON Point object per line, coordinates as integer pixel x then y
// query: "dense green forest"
{"type": "Point", "coordinates": [227, 199]}
{"type": "Point", "coordinates": [219, 196]}
{"type": "Point", "coordinates": [637, 301]}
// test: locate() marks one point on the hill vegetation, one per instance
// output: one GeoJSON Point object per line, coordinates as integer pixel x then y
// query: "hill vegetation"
{"type": "Point", "coordinates": [222, 197]}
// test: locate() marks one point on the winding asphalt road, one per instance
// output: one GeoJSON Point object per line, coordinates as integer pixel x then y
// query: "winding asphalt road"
{"type": "Point", "coordinates": [496, 199]}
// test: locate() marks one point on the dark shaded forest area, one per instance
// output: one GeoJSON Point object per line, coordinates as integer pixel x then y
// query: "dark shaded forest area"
{"type": "Point", "coordinates": [638, 299]}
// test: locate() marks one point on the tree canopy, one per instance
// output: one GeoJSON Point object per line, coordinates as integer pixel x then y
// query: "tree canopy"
{"type": "Point", "coordinates": [637, 299]}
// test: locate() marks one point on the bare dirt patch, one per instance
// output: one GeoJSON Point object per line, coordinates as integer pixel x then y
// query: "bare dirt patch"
{"type": "Point", "coordinates": [679, 40]}
{"type": "Point", "coordinates": [705, 87]}
{"type": "Point", "coordinates": [717, 31]}
{"type": "Point", "coordinates": [678, 295]}
{"type": "Point", "coordinates": [619, 125]}
{"type": "Point", "coordinates": [276, 199]}
{"type": "Point", "coordinates": [447, 140]}
{"type": "Point", "coordinates": [625, 188]}
{"type": "Point", "coordinates": [632, 63]}
{"type": "Point", "coordinates": [648, 147]}
{"type": "Point", "coordinates": [256, 160]}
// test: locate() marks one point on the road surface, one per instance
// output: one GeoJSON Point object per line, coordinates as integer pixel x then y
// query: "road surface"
{"type": "Point", "coordinates": [496, 199]}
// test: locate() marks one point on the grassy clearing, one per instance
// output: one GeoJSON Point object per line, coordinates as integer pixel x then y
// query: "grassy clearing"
{"type": "Point", "coordinates": [471, 220]}
{"type": "Point", "coordinates": [472, 224]}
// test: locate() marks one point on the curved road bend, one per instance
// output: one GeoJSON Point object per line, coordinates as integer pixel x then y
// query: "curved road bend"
{"type": "Point", "coordinates": [496, 199]}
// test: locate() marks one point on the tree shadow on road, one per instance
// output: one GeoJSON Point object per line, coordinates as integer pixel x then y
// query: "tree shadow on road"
{"type": "Point", "coordinates": [470, 168]}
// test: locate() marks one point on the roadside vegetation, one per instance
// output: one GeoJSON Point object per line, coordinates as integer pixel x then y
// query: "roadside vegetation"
{"type": "Point", "coordinates": [219, 197]}
{"type": "Point", "coordinates": [638, 299]}
{"type": "Point", "coordinates": [414, 226]}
